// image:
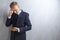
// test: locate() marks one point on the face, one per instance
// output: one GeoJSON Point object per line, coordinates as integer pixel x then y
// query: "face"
{"type": "Point", "coordinates": [15, 8]}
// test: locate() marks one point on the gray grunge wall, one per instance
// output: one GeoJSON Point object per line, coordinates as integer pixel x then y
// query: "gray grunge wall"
{"type": "Point", "coordinates": [44, 16]}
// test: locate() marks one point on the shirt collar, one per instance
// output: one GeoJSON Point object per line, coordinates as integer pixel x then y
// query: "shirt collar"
{"type": "Point", "coordinates": [19, 12]}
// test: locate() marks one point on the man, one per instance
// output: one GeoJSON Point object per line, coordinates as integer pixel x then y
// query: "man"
{"type": "Point", "coordinates": [20, 22]}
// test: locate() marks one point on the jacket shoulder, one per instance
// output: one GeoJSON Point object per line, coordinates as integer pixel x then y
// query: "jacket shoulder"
{"type": "Point", "coordinates": [25, 13]}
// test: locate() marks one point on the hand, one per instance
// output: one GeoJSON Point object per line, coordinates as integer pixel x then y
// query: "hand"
{"type": "Point", "coordinates": [15, 11]}
{"type": "Point", "coordinates": [13, 29]}
{"type": "Point", "coordinates": [10, 12]}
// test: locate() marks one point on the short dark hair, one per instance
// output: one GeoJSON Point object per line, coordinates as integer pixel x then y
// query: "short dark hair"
{"type": "Point", "coordinates": [13, 3]}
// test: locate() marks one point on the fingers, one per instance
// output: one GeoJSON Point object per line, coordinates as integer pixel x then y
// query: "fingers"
{"type": "Point", "coordinates": [10, 12]}
{"type": "Point", "coordinates": [15, 11]}
{"type": "Point", "coordinates": [13, 28]}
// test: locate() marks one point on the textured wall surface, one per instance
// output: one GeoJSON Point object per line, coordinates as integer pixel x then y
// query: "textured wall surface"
{"type": "Point", "coordinates": [44, 16]}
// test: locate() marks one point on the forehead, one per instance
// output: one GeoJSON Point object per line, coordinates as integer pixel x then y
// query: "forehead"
{"type": "Point", "coordinates": [15, 6]}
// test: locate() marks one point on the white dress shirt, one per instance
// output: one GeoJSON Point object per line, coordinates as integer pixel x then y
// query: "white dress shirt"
{"type": "Point", "coordinates": [18, 14]}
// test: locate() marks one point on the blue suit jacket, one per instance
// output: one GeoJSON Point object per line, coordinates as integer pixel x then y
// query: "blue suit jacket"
{"type": "Point", "coordinates": [22, 21]}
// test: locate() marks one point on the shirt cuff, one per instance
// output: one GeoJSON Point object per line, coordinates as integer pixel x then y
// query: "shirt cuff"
{"type": "Point", "coordinates": [18, 29]}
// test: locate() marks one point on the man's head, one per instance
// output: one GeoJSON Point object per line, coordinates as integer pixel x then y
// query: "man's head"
{"type": "Point", "coordinates": [14, 6]}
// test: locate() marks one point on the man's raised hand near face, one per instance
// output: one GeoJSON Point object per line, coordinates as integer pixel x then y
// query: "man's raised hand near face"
{"type": "Point", "coordinates": [10, 12]}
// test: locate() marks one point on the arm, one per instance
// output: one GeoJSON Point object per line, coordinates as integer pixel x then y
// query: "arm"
{"type": "Point", "coordinates": [8, 21]}
{"type": "Point", "coordinates": [27, 23]}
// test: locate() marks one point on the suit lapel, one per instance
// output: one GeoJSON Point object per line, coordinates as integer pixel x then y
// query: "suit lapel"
{"type": "Point", "coordinates": [21, 13]}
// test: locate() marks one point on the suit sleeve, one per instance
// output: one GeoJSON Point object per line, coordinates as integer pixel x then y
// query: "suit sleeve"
{"type": "Point", "coordinates": [8, 22]}
{"type": "Point", "coordinates": [27, 23]}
